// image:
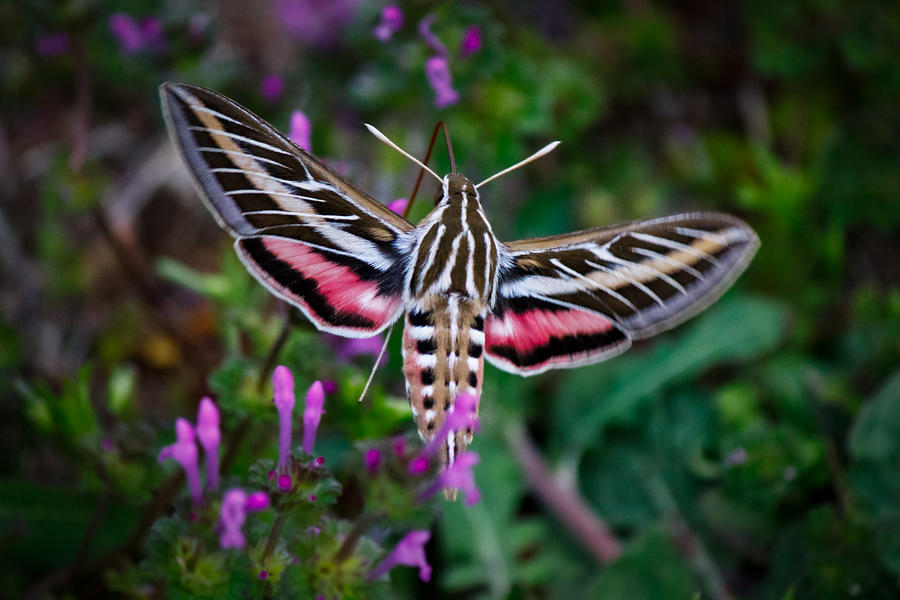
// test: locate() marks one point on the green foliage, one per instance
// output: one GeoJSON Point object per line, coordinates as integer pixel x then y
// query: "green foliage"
{"type": "Point", "coordinates": [875, 450]}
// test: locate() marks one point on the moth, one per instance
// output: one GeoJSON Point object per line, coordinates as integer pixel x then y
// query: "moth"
{"type": "Point", "coordinates": [353, 267]}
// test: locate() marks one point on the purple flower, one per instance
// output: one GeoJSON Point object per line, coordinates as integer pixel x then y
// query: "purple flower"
{"type": "Point", "coordinates": [418, 465]}
{"type": "Point", "coordinates": [459, 476]}
{"type": "Point", "coordinates": [184, 451]}
{"type": "Point", "coordinates": [52, 44]}
{"type": "Point", "coordinates": [133, 35]}
{"type": "Point", "coordinates": [301, 130]}
{"type": "Point", "coordinates": [372, 460]}
{"type": "Point", "coordinates": [197, 26]}
{"type": "Point", "coordinates": [152, 32]}
{"type": "Point", "coordinates": [314, 22]}
{"type": "Point", "coordinates": [471, 42]}
{"type": "Point", "coordinates": [391, 22]}
{"type": "Point", "coordinates": [330, 386]}
{"type": "Point", "coordinates": [349, 348]}
{"type": "Point", "coordinates": [127, 31]}
{"type": "Point", "coordinates": [463, 415]}
{"type": "Point", "coordinates": [283, 384]}
{"type": "Point", "coordinates": [410, 551]}
{"type": "Point", "coordinates": [312, 414]}
{"type": "Point", "coordinates": [209, 435]}
{"type": "Point", "coordinates": [257, 501]}
{"type": "Point", "coordinates": [272, 87]}
{"type": "Point", "coordinates": [438, 72]}
{"type": "Point", "coordinates": [398, 205]}
{"type": "Point", "coordinates": [231, 517]}
{"type": "Point", "coordinates": [737, 456]}
{"type": "Point", "coordinates": [431, 40]}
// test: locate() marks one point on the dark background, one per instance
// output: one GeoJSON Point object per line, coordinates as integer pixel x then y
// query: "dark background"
{"type": "Point", "coordinates": [754, 452]}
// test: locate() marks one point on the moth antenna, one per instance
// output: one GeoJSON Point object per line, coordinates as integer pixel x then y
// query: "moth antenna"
{"type": "Point", "coordinates": [384, 139]}
{"type": "Point", "coordinates": [545, 150]}
{"type": "Point", "coordinates": [412, 196]}
{"type": "Point", "coordinates": [387, 338]}
{"type": "Point", "coordinates": [449, 148]}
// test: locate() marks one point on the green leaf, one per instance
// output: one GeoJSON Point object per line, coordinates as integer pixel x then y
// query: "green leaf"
{"type": "Point", "coordinates": [121, 389]}
{"type": "Point", "coordinates": [874, 436]}
{"type": "Point", "coordinates": [214, 286]}
{"type": "Point", "coordinates": [735, 330]}
{"type": "Point", "coordinates": [650, 568]}
{"type": "Point", "coordinates": [874, 446]}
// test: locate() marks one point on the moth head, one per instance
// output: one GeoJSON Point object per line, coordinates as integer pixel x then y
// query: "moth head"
{"type": "Point", "coordinates": [456, 185]}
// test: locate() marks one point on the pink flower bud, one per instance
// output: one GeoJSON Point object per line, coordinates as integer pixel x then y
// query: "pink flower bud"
{"type": "Point", "coordinates": [471, 42]}
{"type": "Point", "coordinates": [398, 205]}
{"type": "Point", "coordinates": [184, 451]}
{"type": "Point", "coordinates": [438, 72]}
{"type": "Point", "coordinates": [257, 501]}
{"type": "Point", "coordinates": [418, 465]}
{"type": "Point", "coordinates": [372, 460]}
{"type": "Point", "coordinates": [391, 22]}
{"type": "Point", "coordinates": [210, 436]}
{"type": "Point", "coordinates": [301, 130]}
{"type": "Point", "coordinates": [312, 415]}
{"type": "Point", "coordinates": [272, 87]}
{"type": "Point", "coordinates": [283, 385]}
{"type": "Point", "coordinates": [231, 518]}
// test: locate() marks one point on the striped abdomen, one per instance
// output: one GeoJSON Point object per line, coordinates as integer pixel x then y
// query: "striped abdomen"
{"type": "Point", "coordinates": [443, 356]}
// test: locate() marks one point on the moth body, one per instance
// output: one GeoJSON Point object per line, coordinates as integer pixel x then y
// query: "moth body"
{"type": "Point", "coordinates": [450, 285]}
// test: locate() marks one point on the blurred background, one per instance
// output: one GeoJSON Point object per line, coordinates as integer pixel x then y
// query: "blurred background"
{"type": "Point", "coordinates": [753, 452]}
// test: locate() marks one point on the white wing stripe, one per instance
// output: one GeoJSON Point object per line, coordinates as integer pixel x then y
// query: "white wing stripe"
{"type": "Point", "coordinates": [304, 215]}
{"type": "Point", "coordinates": [243, 154]}
{"type": "Point", "coordinates": [627, 272]}
{"type": "Point", "coordinates": [593, 285]}
{"type": "Point", "coordinates": [197, 106]}
{"type": "Point", "coordinates": [290, 182]}
{"type": "Point", "coordinates": [241, 138]}
{"type": "Point", "coordinates": [624, 274]}
{"type": "Point", "coordinates": [680, 265]}
{"type": "Point", "coordinates": [646, 237]}
{"type": "Point", "coordinates": [267, 192]}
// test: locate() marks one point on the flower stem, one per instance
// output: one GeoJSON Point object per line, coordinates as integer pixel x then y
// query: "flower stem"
{"type": "Point", "coordinates": [565, 502]}
{"type": "Point", "coordinates": [274, 535]}
{"type": "Point", "coordinates": [362, 525]}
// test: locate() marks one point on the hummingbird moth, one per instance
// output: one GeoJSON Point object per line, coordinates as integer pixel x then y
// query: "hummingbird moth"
{"type": "Point", "coordinates": [353, 267]}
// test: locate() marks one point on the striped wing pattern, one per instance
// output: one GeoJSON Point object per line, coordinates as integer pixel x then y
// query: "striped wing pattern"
{"type": "Point", "coordinates": [301, 230]}
{"type": "Point", "coordinates": [575, 299]}
{"type": "Point", "coordinates": [352, 266]}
